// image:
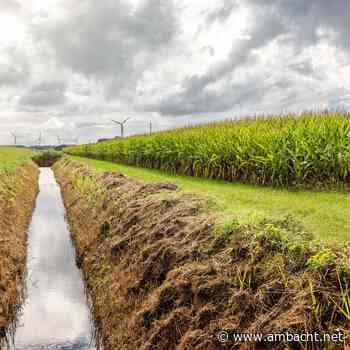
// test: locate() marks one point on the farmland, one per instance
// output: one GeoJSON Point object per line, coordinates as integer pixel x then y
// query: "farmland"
{"type": "Point", "coordinates": [233, 245]}
{"type": "Point", "coordinates": [171, 260]}
{"type": "Point", "coordinates": [300, 151]}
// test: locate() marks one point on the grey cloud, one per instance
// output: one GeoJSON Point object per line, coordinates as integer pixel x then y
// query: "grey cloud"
{"type": "Point", "coordinates": [211, 50]}
{"type": "Point", "coordinates": [14, 67]}
{"type": "Point", "coordinates": [84, 91]}
{"type": "Point", "coordinates": [304, 68]}
{"type": "Point", "coordinates": [87, 124]}
{"type": "Point", "coordinates": [293, 24]}
{"type": "Point", "coordinates": [110, 41]}
{"type": "Point", "coordinates": [305, 18]}
{"type": "Point", "coordinates": [9, 6]}
{"type": "Point", "coordinates": [210, 101]}
{"type": "Point", "coordinates": [268, 29]}
{"type": "Point", "coordinates": [194, 96]}
{"type": "Point", "coordinates": [222, 12]}
{"type": "Point", "coordinates": [45, 94]}
{"type": "Point", "coordinates": [340, 100]}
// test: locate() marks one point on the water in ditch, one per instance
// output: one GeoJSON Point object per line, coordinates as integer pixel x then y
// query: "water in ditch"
{"type": "Point", "coordinates": [55, 312]}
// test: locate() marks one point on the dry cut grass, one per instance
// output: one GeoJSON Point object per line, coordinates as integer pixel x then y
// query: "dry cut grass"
{"type": "Point", "coordinates": [163, 275]}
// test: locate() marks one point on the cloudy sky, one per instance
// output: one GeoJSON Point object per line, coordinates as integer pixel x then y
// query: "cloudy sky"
{"type": "Point", "coordinates": [67, 67]}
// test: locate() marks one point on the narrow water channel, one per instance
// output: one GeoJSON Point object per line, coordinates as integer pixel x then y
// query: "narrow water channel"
{"type": "Point", "coordinates": [55, 313]}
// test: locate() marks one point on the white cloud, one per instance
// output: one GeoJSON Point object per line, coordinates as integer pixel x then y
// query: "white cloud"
{"type": "Point", "coordinates": [53, 124]}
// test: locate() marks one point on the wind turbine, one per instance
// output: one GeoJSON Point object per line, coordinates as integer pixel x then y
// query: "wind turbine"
{"type": "Point", "coordinates": [121, 123]}
{"type": "Point", "coordinates": [40, 138]}
{"type": "Point", "coordinates": [59, 139]}
{"type": "Point", "coordinates": [14, 138]}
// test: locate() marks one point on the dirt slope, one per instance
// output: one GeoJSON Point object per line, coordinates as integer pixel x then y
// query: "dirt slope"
{"type": "Point", "coordinates": [17, 196]}
{"type": "Point", "coordinates": [162, 276]}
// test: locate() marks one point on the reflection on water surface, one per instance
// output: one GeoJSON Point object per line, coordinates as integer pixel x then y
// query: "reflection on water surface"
{"type": "Point", "coordinates": [55, 314]}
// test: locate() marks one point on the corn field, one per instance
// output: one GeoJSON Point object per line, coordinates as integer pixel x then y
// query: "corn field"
{"type": "Point", "coordinates": [311, 149]}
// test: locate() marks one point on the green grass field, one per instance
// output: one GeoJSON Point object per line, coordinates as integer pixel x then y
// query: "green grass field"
{"type": "Point", "coordinates": [325, 214]}
{"type": "Point", "coordinates": [11, 157]}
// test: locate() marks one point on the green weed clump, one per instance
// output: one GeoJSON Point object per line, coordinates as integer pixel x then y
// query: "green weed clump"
{"type": "Point", "coordinates": [277, 260]}
{"type": "Point", "coordinates": [311, 150]}
{"type": "Point", "coordinates": [323, 259]}
{"type": "Point", "coordinates": [279, 239]}
{"type": "Point", "coordinates": [46, 158]}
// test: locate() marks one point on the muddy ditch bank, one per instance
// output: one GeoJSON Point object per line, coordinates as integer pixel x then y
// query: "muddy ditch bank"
{"type": "Point", "coordinates": [17, 198]}
{"type": "Point", "coordinates": [163, 275]}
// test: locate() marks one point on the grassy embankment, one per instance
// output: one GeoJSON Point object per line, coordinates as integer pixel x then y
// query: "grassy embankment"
{"type": "Point", "coordinates": [18, 188]}
{"type": "Point", "coordinates": [325, 214]}
{"type": "Point", "coordinates": [310, 151]}
{"type": "Point", "coordinates": [163, 275]}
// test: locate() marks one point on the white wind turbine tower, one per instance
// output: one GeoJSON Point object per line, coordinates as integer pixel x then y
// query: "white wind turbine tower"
{"type": "Point", "coordinates": [121, 123]}
{"type": "Point", "coordinates": [14, 138]}
{"type": "Point", "coordinates": [59, 139]}
{"type": "Point", "coordinates": [40, 138]}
